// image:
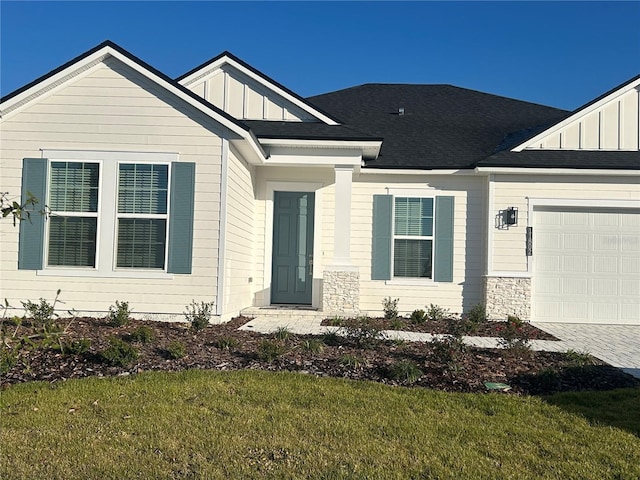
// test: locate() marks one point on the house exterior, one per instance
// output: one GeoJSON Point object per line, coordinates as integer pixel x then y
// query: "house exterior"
{"type": "Point", "coordinates": [225, 186]}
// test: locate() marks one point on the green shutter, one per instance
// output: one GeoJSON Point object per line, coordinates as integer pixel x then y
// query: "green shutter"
{"type": "Point", "coordinates": [181, 217]}
{"type": "Point", "coordinates": [443, 261]}
{"type": "Point", "coordinates": [381, 243]}
{"type": "Point", "coordinates": [31, 243]}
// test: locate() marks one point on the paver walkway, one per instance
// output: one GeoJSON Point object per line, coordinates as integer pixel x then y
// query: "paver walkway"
{"type": "Point", "coordinates": [618, 345]}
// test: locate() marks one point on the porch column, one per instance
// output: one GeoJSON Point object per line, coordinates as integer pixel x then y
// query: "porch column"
{"type": "Point", "coordinates": [341, 279]}
{"type": "Point", "coordinates": [342, 221]}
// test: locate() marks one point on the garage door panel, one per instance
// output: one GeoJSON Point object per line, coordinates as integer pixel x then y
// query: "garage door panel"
{"type": "Point", "coordinates": [592, 274]}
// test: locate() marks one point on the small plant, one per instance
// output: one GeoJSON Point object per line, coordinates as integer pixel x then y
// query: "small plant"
{"type": "Point", "coordinates": [176, 350]}
{"type": "Point", "coordinates": [226, 343]}
{"type": "Point", "coordinates": [477, 314]}
{"type": "Point", "coordinates": [269, 350]}
{"type": "Point", "coordinates": [418, 316]}
{"type": "Point", "coordinates": [578, 359]}
{"type": "Point", "coordinates": [8, 358]}
{"type": "Point", "coordinates": [119, 353]}
{"type": "Point", "coordinates": [436, 313]}
{"type": "Point", "coordinates": [514, 336]}
{"type": "Point", "coordinates": [119, 314]}
{"type": "Point", "coordinates": [363, 332]}
{"type": "Point", "coordinates": [282, 333]}
{"type": "Point", "coordinates": [331, 338]}
{"type": "Point", "coordinates": [312, 345]}
{"type": "Point", "coordinates": [350, 361]}
{"type": "Point", "coordinates": [397, 324]}
{"type": "Point", "coordinates": [390, 308]}
{"type": "Point", "coordinates": [335, 321]}
{"type": "Point", "coordinates": [449, 351]}
{"type": "Point", "coordinates": [404, 371]}
{"type": "Point", "coordinates": [42, 314]}
{"type": "Point", "coordinates": [74, 347]}
{"type": "Point", "coordinates": [548, 379]}
{"type": "Point", "coordinates": [199, 314]}
{"type": "Point", "coordinates": [142, 334]}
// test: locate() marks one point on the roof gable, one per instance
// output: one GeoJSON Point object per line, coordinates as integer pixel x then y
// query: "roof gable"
{"type": "Point", "coordinates": [610, 122]}
{"type": "Point", "coordinates": [84, 63]}
{"type": "Point", "coordinates": [246, 93]}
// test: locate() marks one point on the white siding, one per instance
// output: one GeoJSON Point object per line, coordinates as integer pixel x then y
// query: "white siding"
{"type": "Point", "coordinates": [244, 98]}
{"type": "Point", "coordinates": [112, 108]}
{"type": "Point", "coordinates": [508, 246]}
{"type": "Point", "coordinates": [240, 254]}
{"type": "Point", "coordinates": [613, 126]}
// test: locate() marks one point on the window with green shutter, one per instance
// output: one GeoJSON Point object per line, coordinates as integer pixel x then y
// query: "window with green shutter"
{"type": "Point", "coordinates": [412, 238]}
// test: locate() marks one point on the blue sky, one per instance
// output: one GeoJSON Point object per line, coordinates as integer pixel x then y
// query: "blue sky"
{"type": "Point", "coordinates": [561, 54]}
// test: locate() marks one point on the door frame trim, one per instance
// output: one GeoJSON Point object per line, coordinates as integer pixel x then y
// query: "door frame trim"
{"type": "Point", "coordinates": [316, 188]}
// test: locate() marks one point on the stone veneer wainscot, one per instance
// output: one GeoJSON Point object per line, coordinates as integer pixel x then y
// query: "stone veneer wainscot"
{"type": "Point", "coordinates": [507, 296]}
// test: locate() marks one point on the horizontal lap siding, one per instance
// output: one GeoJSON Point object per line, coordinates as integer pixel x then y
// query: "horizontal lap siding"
{"type": "Point", "coordinates": [466, 288]}
{"type": "Point", "coordinates": [513, 190]}
{"type": "Point", "coordinates": [115, 109]}
{"type": "Point", "coordinates": [240, 238]}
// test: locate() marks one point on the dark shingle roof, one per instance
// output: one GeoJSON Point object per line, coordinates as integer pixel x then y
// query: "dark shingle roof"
{"type": "Point", "coordinates": [305, 131]}
{"type": "Point", "coordinates": [442, 127]}
{"type": "Point", "coordinates": [611, 160]}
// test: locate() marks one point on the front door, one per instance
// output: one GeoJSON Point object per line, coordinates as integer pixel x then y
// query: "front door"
{"type": "Point", "coordinates": [292, 264]}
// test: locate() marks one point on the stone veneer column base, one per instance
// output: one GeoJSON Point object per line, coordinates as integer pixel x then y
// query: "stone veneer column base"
{"type": "Point", "coordinates": [505, 296]}
{"type": "Point", "coordinates": [341, 291]}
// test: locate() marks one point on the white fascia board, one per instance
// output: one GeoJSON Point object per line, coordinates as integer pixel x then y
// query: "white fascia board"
{"type": "Point", "coordinates": [557, 171]}
{"type": "Point", "coordinates": [314, 157]}
{"type": "Point", "coordinates": [399, 171]}
{"type": "Point", "coordinates": [577, 115]}
{"type": "Point", "coordinates": [367, 149]}
{"type": "Point", "coordinates": [218, 64]}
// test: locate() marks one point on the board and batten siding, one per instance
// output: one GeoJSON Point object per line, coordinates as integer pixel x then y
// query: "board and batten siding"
{"type": "Point", "coordinates": [113, 108]}
{"type": "Point", "coordinates": [239, 263]}
{"type": "Point", "coordinates": [614, 126]}
{"type": "Point", "coordinates": [242, 97]}
{"type": "Point", "coordinates": [468, 253]}
{"type": "Point", "coordinates": [508, 246]}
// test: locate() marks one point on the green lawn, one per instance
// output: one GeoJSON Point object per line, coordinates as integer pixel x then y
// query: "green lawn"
{"type": "Point", "coordinates": [254, 424]}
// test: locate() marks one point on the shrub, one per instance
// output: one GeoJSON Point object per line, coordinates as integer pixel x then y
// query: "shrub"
{"type": "Point", "coordinates": [335, 321]}
{"type": "Point", "coordinates": [418, 316]}
{"type": "Point", "coordinates": [119, 314]}
{"type": "Point", "coordinates": [142, 334]}
{"type": "Point", "coordinates": [199, 314]}
{"type": "Point", "coordinates": [8, 358]}
{"type": "Point", "coordinates": [449, 351]}
{"type": "Point", "coordinates": [363, 332]}
{"type": "Point", "coordinates": [269, 350]}
{"type": "Point", "coordinates": [578, 359]}
{"type": "Point", "coordinates": [312, 345]}
{"type": "Point", "coordinates": [74, 347]}
{"type": "Point", "coordinates": [477, 314]}
{"type": "Point", "coordinates": [390, 308]}
{"type": "Point", "coordinates": [41, 314]}
{"type": "Point", "coordinates": [119, 353]}
{"type": "Point", "coordinates": [397, 324]}
{"type": "Point", "coordinates": [514, 336]}
{"type": "Point", "coordinates": [226, 343]}
{"type": "Point", "coordinates": [404, 371]}
{"type": "Point", "coordinates": [436, 313]}
{"type": "Point", "coordinates": [176, 350]}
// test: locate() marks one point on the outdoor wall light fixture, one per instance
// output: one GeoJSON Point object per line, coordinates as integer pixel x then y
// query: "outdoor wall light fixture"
{"type": "Point", "coordinates": [507, 218]}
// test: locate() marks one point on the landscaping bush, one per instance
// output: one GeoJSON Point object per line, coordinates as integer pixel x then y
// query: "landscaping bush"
{"type": "Point", "coordinates": [119, 353]}
{"type": "Point", "coordinates": [176, 350]}
{"type": "Point", "coordinates": [226, 343]}
{"type": "Point", "coordinates": [269, 350]}
{"type": "Point", "coordinates": [418, 316]}
{"type": "Point", "coordinates": [363, 332]}
{"type": "Point", "coordinates": [74, 347]}
{"type": "Point", "coordinates": [436, 313]}
{"type": "Point", "coordinates": [448, 351]}
{"type": "Point", "coordinates": [142, 334]}
{"type": "Point", "coordinates": [199, 314]}
{"type": "Point", "coordinates": [513, 336]}
{"type": "Point", "coordinates": [119, 314]}
{"type": "Point", "coordinates": [390, 308]}
{"type": "Point", "coordinates": [404, 371]}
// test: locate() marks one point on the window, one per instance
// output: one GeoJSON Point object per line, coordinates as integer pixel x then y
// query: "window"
{"type": "Point", "coordinates": [73, 223]}
{"type": "Point", "coordinates": [142, 215]}
{"type": "Point", "coordinates": [109, 212]}
{"type": "Point", "coordinates": [413, 237]}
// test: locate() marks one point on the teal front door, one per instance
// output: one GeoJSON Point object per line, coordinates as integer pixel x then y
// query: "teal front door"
{"type": "Point", "coordinates": [292, 264]}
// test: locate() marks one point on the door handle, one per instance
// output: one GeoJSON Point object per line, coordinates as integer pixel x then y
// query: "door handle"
{"type": "Point", "coordinates": [310, 265]}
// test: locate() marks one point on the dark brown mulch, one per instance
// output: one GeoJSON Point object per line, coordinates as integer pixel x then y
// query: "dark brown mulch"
{"type": "Point", "coordinates": [442, 367]}
{"type": "Point", "coordinates": [446, 326]}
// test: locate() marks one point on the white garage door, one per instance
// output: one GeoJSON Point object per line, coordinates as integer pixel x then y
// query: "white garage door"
{"type": "Point", "coordinates": [586, 266]}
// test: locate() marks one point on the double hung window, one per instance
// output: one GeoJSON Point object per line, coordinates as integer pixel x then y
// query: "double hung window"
{"type": "Point", "coordinates": [413, 237]}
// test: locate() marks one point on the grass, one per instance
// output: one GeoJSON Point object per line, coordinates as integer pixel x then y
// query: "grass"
{"type": "Point", "coordinates": [255, 424]}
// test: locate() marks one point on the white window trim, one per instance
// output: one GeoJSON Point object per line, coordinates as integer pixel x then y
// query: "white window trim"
{"type": "Point", "coordinates": [424, 192]}
{"type": "Point", "coordinates": [107, 221]}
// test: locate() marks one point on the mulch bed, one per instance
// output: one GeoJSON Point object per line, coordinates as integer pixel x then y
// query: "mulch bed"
{"type": "Point", "coordinates": [442, 367]}
{"type": "Point", "coordinates": [444, 326]}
